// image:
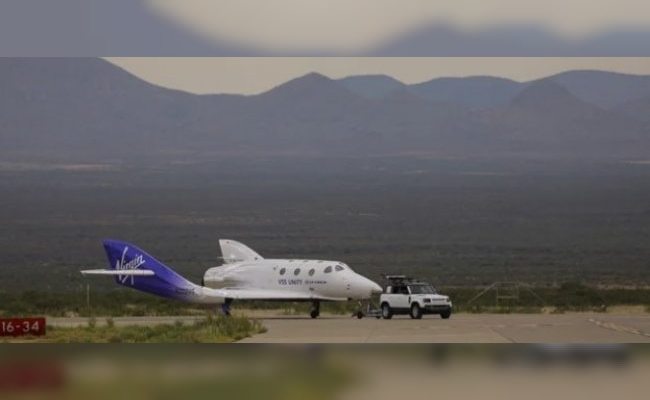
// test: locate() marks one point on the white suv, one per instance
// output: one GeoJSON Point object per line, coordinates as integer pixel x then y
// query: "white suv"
{"type": "Point", "coordinates": [407, 296]}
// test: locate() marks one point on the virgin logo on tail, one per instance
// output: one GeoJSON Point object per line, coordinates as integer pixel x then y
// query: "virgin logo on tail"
{"type": "Point", "coordinates": [135, 263]}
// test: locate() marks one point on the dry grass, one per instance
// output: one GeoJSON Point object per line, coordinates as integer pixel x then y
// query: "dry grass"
{"type": "Point", "coordinates": [209, 330]}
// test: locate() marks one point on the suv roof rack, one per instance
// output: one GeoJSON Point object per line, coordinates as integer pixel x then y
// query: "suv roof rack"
{"type": "Point", "coordinates": [400, 278]}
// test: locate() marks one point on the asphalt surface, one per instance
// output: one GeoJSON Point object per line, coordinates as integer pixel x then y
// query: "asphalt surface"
{"type": "Point", "coordinates": [460, 328]}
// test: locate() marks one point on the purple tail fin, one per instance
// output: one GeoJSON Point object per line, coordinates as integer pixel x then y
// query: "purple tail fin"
{"type": "Point", "coordinates": [165, 282]}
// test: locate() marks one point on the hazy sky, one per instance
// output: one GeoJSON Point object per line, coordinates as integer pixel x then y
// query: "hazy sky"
{"type": "Point", "coordinates": [325, 27]}
{"type": "Point", "coordinates": [251, 75]}
{"type": "Point", "coordinates": [353, 24]}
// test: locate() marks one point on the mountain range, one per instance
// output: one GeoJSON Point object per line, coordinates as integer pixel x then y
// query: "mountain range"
{"type": "Point", "coordinates": [89, 110]}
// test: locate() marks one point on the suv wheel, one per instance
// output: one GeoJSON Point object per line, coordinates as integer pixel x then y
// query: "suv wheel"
{"type": "Point", "coordinates": [416, 313]}
{"type": "Point", "coordinates": [445, 314]}
{"type": "Point", "coordinates": [386, 312]}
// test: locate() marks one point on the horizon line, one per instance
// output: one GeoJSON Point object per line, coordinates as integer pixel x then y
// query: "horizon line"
{"type": "Point", "coordinates": [340, 77]}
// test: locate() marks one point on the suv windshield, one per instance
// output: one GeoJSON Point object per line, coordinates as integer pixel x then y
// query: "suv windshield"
{"type": "Point", "coordinates": [422, 289]}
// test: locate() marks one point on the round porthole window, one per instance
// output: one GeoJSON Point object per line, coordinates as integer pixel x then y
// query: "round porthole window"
{"type": "Point", "coordinates": [311, 272]}
{"type": "Point", "coordinates": [297, 271]}
{"type": "Point", "coordinates": [282, 271]}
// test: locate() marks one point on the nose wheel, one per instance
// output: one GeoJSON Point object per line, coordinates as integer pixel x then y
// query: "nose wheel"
{"type": "Point", "coordinates": [369, 311]}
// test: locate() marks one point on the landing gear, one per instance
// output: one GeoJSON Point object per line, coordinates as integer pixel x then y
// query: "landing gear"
{"type": "Point", "coordinates": [315, 309]}
{"type": "Point", "coordinates": [371, 310]}
{"type": "Point", "coordinates": [360, 314]}
{"type": "Point", "coordinates": [225, 307]}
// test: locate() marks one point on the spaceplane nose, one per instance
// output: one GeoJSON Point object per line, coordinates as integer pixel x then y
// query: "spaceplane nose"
{"type": "Point", "coordinates": [374, 287]}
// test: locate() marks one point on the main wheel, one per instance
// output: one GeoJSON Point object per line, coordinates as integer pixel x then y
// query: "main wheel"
{"type": "Point", "coordinates": [416, 313]}
{"type": "Point", "coordinates": [386, 312]}
{"type": "Point", "coordinates": [315, 309]}
{"type": "Point", "coordinates": [225, 307]}
{"type": "Point", "coordinates": [359, 314]}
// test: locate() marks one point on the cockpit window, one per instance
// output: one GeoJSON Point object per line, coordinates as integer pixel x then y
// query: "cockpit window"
{"type": "Point", "coordinates": [328, 269]}
{"type": "Point", "coordinates": [339, 268]}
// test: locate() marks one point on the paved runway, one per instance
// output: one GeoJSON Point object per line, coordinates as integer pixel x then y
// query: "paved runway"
{"type": "Point", "coordinates": [468, 328]}
{"type": "Point", "coordinates": [460, 328]}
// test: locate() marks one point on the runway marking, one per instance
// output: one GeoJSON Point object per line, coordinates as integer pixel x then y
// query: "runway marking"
{"type": "Point", "coordinates": [493, 329]}
{"type": "Point", "coordinates": [619, 328]}
{"type": "Point", "coordinates": [372, 333]}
